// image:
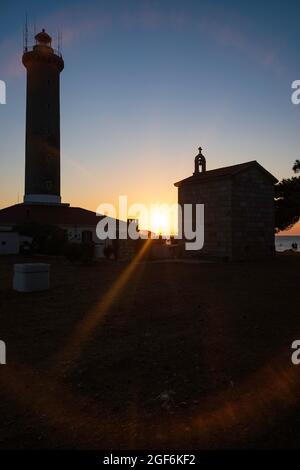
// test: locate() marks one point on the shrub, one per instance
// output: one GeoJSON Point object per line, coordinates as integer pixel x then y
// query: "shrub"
{"type": "Point", "coordinates": [80, 252]}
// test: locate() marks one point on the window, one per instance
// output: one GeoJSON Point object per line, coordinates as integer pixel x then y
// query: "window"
{"type": "Point", "coordinates": [87, 236]}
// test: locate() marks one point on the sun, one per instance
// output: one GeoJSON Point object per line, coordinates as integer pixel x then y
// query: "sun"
{"type": "Point", "coordinates": [160, 222]}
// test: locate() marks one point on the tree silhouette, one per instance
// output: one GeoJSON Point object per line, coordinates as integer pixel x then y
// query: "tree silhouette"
{"type": "Point", "coordinates": [287, 203]}
{"type": "Point", "coordinates": [296, 166]}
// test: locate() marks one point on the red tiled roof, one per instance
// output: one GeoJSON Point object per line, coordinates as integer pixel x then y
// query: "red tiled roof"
{"type": "Point", "coordinates": [48, 215]}
{"type": "Point", "coordinates": [225, 172]}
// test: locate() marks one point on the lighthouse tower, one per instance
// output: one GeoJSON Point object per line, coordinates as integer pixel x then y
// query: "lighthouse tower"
{"type": "Point", "coordinates": [42, 154]}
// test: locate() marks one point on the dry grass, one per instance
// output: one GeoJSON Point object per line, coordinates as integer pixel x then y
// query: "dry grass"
{"type": "Point", "coordinates": [186, 355]}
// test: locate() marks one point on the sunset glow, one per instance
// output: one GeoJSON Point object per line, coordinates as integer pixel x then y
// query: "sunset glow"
{"type": "Point", "coordinates": [160, 222]}
{"type": "Point", "coordinates": [134, 125]}
{"type": "Point", "coordinates": [149, 233]}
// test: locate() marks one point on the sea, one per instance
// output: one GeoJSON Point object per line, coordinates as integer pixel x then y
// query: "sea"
{"type": "Point", "coordinates": [283, 243]}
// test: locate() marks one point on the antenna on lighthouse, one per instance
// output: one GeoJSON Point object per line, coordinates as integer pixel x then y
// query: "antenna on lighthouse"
{"type": "Point", "coordinates": [58, 41]}
{"type": "Point", "coordinates": [25, 37]}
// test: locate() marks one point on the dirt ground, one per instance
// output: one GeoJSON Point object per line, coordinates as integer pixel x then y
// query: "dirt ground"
{"type": "Point", "coordinates": [152, 355]}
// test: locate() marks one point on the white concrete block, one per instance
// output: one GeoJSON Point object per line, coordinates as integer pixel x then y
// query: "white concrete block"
{"type": "Point", "coordinates": [31, 277]}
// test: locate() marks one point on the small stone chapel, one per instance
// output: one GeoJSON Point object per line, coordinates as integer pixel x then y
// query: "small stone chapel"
{"type": "Point", "coordinates": [238, 209]}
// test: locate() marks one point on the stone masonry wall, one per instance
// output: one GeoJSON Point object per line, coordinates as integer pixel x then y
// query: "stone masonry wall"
{"type": "Point", "coordinates": [252, 215]}
{"type": "Point", "coordinates": [216, 197]}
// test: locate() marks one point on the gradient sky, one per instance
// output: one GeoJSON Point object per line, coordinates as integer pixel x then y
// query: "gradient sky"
{"type": "Point", "coordinates": [146, 82]}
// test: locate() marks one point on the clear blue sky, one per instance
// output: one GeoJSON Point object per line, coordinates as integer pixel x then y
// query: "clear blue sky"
{"type": "Point", "coordinates": [146, 82]}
